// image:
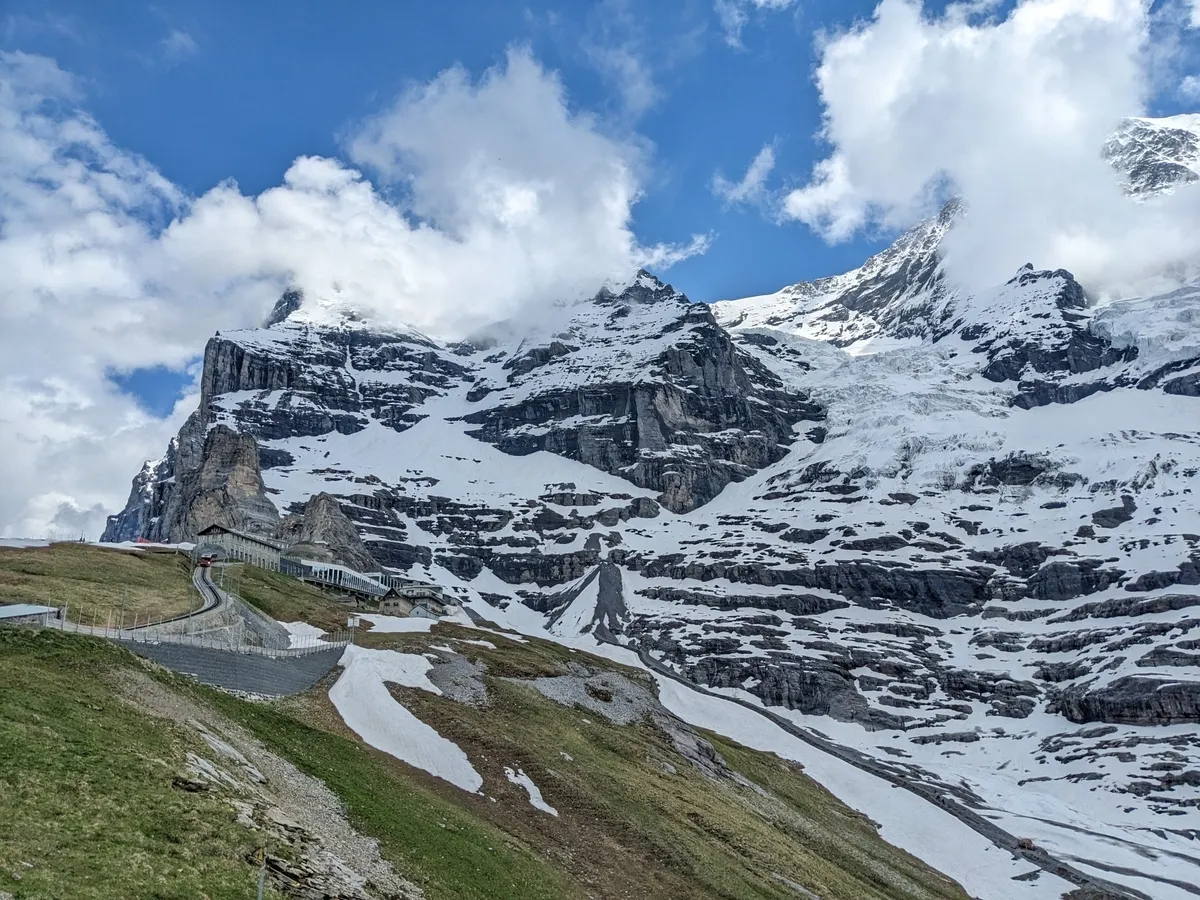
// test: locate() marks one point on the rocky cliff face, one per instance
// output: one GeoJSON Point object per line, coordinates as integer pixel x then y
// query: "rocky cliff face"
{"type": "Point", "coordinates": [644, 385]}
{"type": "Point", "coordinates": [226, 488]}
{"type": "Point", "coordinates": [961, 529]}
{"type": "Point", "coordinates": [1156, 155]}
{"type": "Point", "coordinates": [323, 526]}
{"type": "Point", "coordinates": [146, 500]}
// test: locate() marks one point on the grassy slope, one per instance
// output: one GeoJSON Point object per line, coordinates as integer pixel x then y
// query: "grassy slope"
{"type": "Point", "coordinates": [87, 809]}
{"type": "Point", "coordinates": [96, 580]}
{"type": "Point", "coordinates": [628, 826]}
{"type": "Point", "coordinates": [435, 838]}
{"type": "Point", "coordinates": [286, 599]}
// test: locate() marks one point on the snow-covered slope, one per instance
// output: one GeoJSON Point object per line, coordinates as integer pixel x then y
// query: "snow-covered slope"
{"type": "Point", "coordinates": [898, 294]}
{"type": "Point", "coordinates": [1156, 154]}
{"type": "Point", "coordinates": [959, 533]}
{"type": "Point", "coordinates": [902, 293]}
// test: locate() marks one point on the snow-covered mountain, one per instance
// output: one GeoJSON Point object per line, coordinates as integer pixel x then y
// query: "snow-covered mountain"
{"type": "Point", "coordinates": [958, 533]}
{"type": "Point", "coordinates": [1156, 154]}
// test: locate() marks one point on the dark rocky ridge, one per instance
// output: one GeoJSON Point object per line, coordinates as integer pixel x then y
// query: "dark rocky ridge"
{"type": "Point", "coordinates": [700, 415]}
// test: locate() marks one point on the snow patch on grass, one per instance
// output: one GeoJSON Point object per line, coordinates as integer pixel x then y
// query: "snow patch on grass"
{"type": "Point", "coordinates": [368, 708]}
{"type": "Point", "coordinates": [535, 795]}
{"type": "Point", "coordinates": [397, 624]}
{"type": "Point", "coordinates": [303, 634]}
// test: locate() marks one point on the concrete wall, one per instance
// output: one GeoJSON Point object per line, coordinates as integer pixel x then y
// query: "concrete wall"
{"type": "Point", "coordinates": [239, 672]}
{"type": "Point", "coordinates": [222, 623]}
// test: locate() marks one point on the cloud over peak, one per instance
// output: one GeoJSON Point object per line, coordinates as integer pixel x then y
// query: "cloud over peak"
{"type": "Point", "coordinates": [1009, 112]}
{"type": "Point", "coordinates": [505, 199]}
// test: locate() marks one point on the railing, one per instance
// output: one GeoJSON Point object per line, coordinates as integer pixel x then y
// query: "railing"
{"type": "Point", "coordinates": [229, 636]}
{"type": "Point", "coordinates": [205, 640]}
{"type": "Point", "coordinates": [332, 575]}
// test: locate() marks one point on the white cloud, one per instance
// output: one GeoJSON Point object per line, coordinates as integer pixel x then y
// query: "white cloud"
{"type": "Point", "coordinates": [178, 45]}
{"type": "Point", "coordinates": [509, 200]}
{"type": "Point", "coordinates": [616, 45]}
{"type": "Point", "coordinates": [1008, 112]}
{"type": "Point", "coordinates": [752, 187]}
{"type": "Point", "coordinates": [734, 15]}
{"type": "Point", "coordinates": [733, 19]}
{"type": "Point", "coordinates": [1189, 88]}
{"type": "Point", "coordinates": [632, 76]}
{"type": "Point", "coordinates": [1195, 19]}
{"type": "Point", "coordinates": [17, 26]}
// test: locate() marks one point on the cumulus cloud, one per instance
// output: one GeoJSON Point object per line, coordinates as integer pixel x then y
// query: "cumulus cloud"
{"type": "Point", "coordinates": [1189, 88]}
{"type": "Point", "coordinates": [85, 290]}
{"type": "Point", "coordinates": [504, 199]}
{"type": "Point", "coordinates": [178, 46]}
{"type": "Point", "coordinates": [1010, 113]}
{"type": "Point", "coordinates": [752, 186]}
{"type": "Point", "coordinates": [734, 15]}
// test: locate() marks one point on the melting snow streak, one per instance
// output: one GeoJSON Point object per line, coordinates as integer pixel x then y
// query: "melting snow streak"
{"type": "Point", "coordinates": [535, 795]}
{"type": "Point", "coordinates": [364, 703]}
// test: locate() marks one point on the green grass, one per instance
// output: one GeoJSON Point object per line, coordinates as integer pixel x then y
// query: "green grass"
{"type": "Point", "coordinates": [436, 835]}
{"type": "Point", "coordinates": [97, 582]}
{"type": "Point", "coordinates": [631, 824]}
{"type": "Point", "coordinates": [285, 598]}
{"type": "Point", "coordinates": [628, 827]}
{"type": "Point", "coordinates": [87, 809]}
{"type": "Point", "coordinates": [86, 797]}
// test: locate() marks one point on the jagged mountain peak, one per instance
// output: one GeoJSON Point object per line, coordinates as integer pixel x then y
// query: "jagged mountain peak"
{"type": "Point", "coordinates": [288, 303]}
{"type": "Point", "coordinates": [1156, 155]}
{"type": "Point", "coordinates": [642, 287]}
{"type": "Point", "coordinates": [893, 296]}
{"type": "Point", "coordinates": [901, 294]}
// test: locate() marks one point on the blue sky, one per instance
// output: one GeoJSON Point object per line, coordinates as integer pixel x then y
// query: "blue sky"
{"type": "Point", "coordinates": [253, 85]}
{"type": "Point", "coordinates": [249, 125]}
{"type": "Point", "coordinates": [216, 90]}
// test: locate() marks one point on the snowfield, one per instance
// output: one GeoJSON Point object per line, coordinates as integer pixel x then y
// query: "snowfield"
{"type": "Point", "coordinates": [365, 705]}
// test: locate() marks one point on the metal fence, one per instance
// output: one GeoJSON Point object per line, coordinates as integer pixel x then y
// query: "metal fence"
{"type": "Point", "coordinates": [207, 640]}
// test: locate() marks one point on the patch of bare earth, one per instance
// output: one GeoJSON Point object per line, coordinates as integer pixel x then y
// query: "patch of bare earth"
{"type": "Point", "coordinates": [325, 858]}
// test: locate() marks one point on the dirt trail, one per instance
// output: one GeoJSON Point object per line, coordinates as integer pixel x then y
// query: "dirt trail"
{"type": "Point", "coordinates": [271, 793]}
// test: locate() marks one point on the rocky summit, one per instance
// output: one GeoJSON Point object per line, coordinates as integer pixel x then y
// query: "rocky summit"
{"type": "Point", "coordinates": [956, 532]}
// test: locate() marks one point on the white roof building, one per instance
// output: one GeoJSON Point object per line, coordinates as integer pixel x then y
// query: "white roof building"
{"type": "Point", "coordinates": [25, 611]}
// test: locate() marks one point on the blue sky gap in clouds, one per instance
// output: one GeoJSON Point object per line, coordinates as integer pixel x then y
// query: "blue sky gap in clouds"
{"type": "Point", "coordinates": [157, 388]}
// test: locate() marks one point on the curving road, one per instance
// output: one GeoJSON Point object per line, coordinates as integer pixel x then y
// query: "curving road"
{"type": "Point", "coordinates": [212, 596]}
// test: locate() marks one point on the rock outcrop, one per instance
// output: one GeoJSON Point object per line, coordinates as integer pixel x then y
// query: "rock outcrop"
{"type": "Point", "coordinates": [322, 524]}
{"type": "Point", "coordinates": [225, 489]}
{"type": "Point", "coordinates": [1133, 700]}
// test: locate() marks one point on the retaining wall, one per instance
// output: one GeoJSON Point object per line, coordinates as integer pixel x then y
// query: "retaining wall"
{"type": "Point", "coordinates": [241, 672]}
